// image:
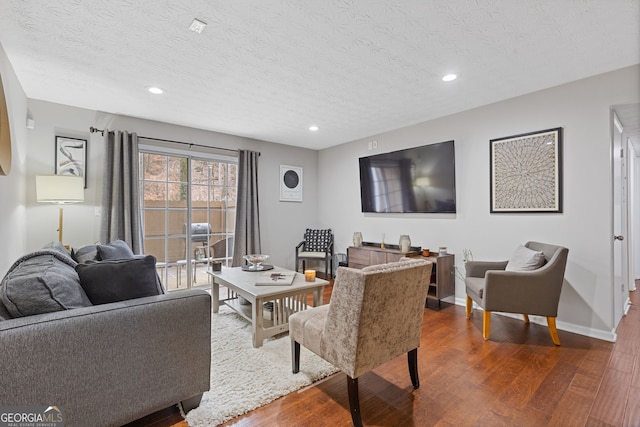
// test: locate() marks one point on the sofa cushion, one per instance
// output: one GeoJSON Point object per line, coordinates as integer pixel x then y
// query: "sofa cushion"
{"type": "Point", "coordinates": [4, 313]}
{"type": "Point", "coordinates": [525, 259]}
{"type": "Point", "coordinates": [119, 279]}
{"type": "Point", "coordinates": [475, 286]}
{"type": "Point", "coordinates": [85, 253]}
{"type": "Point", "coordinates": [42, 282]}
{"type": "Point", "coordinates": [117, 249]}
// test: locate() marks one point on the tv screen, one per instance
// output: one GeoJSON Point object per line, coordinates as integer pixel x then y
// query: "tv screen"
{"type": "Point", "coordinates": [415, 180]}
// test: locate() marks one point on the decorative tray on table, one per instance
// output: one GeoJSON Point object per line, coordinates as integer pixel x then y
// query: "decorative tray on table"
{"type": "Point", "coordinates": [256, 262]}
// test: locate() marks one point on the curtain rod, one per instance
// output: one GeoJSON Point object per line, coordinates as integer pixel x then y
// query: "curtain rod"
{"type": "Point", "coordinates": [190, 144]}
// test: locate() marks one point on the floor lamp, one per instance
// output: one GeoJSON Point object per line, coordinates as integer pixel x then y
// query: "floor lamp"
{"type": "Point", "coordinates": [61, 190]}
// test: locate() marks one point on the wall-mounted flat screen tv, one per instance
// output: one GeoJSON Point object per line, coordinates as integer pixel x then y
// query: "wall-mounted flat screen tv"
{"type": "Point", "coordinates": [415, 180]}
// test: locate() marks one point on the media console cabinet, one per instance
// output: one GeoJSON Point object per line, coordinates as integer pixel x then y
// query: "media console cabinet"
{"type": "Point", "coordinates": [442, 283]}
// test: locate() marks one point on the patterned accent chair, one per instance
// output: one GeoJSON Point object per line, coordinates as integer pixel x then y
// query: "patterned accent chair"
{"type": "Point", "coordinates": [317, 245]}
{"type": "Point", "coordinates": [374, 316]}
{"type": "Point", "coordinates": [528, 283]}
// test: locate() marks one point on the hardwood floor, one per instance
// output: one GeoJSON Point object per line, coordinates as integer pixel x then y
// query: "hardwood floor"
{"type": "Point", "coordinates": [518, 377]}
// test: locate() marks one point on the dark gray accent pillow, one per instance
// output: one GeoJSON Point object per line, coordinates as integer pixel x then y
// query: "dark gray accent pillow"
{"type": "Point", "coordinates": [42, 282]}
{"type": "Point", "coordinates": [117, 249]}
{"type": "Point", "coordinates": [119, 279]}
{"type": "Point", "coordinates": [85, 253]}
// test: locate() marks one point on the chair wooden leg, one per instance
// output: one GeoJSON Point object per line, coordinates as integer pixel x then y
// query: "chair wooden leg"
{"type": "Point", "coordinates": [354, 401]}
{"type": "Point", "coordinates": [486, 324]}
{"type": "Point", "coordinates": [551, 321]}
{"type": "Point", "coordinates": [295, 357]}
{"type": "Point", "coordinates": [526, 318]}
{"type": "Point", "coordinates": [412, 357]}
{"type": "Point", "coordinates": [469, 306]}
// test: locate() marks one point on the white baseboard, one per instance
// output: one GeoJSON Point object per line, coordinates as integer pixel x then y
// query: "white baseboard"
{"type": "Point", "coordinates": [563, 326]}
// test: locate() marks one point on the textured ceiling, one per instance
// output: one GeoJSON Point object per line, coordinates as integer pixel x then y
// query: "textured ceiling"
{"type": "Point", "coordinates": [268, 69]}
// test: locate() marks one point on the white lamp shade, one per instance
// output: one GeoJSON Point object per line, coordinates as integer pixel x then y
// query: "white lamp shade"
{"type": "Point", "coordinates": [59, 189]}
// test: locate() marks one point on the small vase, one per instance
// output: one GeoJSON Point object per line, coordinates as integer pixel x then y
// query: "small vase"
{"type": "Point", "coordinates": [404, 243]}
{"type": "Point", "coordinates": [357, 239]}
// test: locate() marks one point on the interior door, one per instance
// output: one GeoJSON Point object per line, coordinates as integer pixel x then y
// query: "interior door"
{"type": "Point", "coordinates": [620, 226]}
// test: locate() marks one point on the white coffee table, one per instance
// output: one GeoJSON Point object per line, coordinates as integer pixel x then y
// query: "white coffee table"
{"type": "Point", "coordinates": [285, 299]}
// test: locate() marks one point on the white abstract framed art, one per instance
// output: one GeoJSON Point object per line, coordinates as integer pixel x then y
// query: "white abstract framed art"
{"type": "Point", "coordinates": [526, 172]}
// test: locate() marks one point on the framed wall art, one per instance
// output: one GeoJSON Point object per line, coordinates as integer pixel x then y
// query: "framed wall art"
{"type": "Point", "coordinates": [290, 183]}
{"type": "Point", "coordinates": [71, 157]}
{"type": "Point", "coordinates": [526, 172]}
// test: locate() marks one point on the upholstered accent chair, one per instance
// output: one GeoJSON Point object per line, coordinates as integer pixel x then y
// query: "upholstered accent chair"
{"type": "Point", "coordinates": [317, 245]}
{"type": "Point", "coordinates": [375, 315]}
{"type": "Point", "coordinates": [528, 283]}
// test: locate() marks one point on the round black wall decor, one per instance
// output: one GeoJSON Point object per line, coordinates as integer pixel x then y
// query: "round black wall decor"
{"type": "Point", "coordinates": [291, 179]}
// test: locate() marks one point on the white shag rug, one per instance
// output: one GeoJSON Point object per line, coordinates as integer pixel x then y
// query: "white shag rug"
{"type": "Point", "coordinates": [244, 378]}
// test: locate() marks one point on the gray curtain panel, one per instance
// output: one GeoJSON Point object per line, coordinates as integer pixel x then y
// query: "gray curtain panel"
{"type": "Point", "coordinates": [121, 217]}
{"type": "Point", "coordinates": [247, 239]}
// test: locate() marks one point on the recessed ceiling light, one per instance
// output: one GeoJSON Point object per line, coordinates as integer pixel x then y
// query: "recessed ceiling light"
{"type": "Point", "coordinates": [197, 26]}
{"type": "Point", "coordinates": [155, 90]}
{"type": "Point", "coordinates": [449, 77]}
{"type": "Point", "coordinates": [313, 128]}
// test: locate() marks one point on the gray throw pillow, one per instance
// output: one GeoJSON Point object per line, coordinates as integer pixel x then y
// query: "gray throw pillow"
{"type": "Point", "coordinates": [525, 259]}
{"type": "Point", "coordinates": [119, 279]}
{"type": "Point", "coordinates": [117, 249]}
{"type": "Point", "coordinates": [41, 282]}
{"type": "Point", "coordinates": [85, 253]}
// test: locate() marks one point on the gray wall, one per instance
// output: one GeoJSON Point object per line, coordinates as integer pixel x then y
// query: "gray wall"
{"type": "Point", "coordinates": [12, 187]}
{"type": "Point", "coordinates": [585, 227]}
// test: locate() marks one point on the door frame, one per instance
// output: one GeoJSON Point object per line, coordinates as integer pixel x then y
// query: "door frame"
{"type": "Point", "coordinates": [620, 265]}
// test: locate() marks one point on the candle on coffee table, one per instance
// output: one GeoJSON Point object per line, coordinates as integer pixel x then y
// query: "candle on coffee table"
{"type": "Point", "coordinates": [310, 275]}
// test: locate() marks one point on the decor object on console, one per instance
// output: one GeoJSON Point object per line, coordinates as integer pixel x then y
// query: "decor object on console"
{"type": "Point", "coordinates": [5, 135]}
{"type": "Point", "coordinates": [521, 290]}
{"type": "Point", "coordinates": [71, 157]}
{"type": "Point", "coordinates": [404, 243]}
{"type": "Point", "coordinates": [357, 239]}
{"type": "Point", "coordinates": [348, 332]}
{"type": "Point", "coordinates": [526, 172]}
{"type": "Point", "coordinates": [61, 190]}
{"type": "Point", "coordinates": [316, 246]}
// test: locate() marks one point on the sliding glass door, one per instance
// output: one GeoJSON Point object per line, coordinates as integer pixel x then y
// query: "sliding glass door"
{"type": "Point", "coordinates": [189, 207]}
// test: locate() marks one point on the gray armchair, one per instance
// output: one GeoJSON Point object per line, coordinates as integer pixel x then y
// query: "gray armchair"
{"type": "Point", "coordinates": [535, 292]}
{"type": "Point", "coordinates": [375, 315]}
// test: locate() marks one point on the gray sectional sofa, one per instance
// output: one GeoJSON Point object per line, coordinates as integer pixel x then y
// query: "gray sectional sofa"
{"type": "Point", "coordinates": [105, 364]}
